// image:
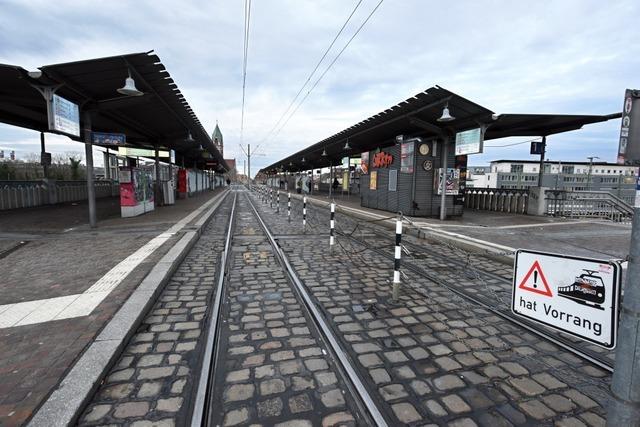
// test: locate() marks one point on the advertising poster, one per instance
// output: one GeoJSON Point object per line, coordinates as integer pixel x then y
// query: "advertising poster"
{"type": "Point", "coordinates": [452, 184]}
{"type": "Point", "coordinates": [364, 162]}
{"type": "Point", "coordinates": [461, 165]}
{"type": "Point", "coordinates": [373, 180]}
{"type": "Point", "coordinates": [407, 151]}
{"type": "Point", "coordinates": [629, 145]}
{"type": "Point", "coordinates": [345, 180]}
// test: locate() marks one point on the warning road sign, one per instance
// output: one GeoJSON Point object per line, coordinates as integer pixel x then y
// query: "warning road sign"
{"type": "Point", "coordinates": [534, 279]}
{"type": "Point", "coordinates": [579, 296]}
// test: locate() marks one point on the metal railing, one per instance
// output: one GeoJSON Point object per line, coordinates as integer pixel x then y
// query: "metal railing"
{"type": "Point", "coordinates": [587, 204]}
{"type": "Point", "coordinates": [497, 199]}
{"type": "Point", "coordinates": [27, 194]}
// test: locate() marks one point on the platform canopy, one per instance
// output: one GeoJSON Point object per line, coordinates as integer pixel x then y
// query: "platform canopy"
{"type": "Point", "coordinates": [160, 117]}
{"type": "Point", "coordinates": [418, 116]}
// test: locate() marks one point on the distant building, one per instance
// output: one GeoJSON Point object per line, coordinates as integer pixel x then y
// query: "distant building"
{"type": "Point", "coordinates": [217, 139]}
{"type": "Point", "coordinates": [571, 176]}
{"type": "Point", "coordinates": [231, 174]}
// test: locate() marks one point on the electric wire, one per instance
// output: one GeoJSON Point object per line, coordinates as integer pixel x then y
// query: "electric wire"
{"type": "Point", "coordinates": [324, 55]}
{"type": "Point", "coordinates": [247, 21]}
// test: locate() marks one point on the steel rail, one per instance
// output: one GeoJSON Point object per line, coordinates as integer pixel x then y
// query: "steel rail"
{"type": "Point", "coordinates": [562, 342]}
{"type": "Point", "coordinates": [376, 416]}
{"type": "Point", "coordinates": [200, 414]}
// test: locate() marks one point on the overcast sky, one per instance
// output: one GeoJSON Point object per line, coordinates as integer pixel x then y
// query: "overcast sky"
{"type": "Point", "coordinates": [568, 57]}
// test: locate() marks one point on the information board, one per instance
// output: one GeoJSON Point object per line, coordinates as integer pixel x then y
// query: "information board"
{"type": "Point", "coordinates": [469, 142]}
{"type": "Point", "coordinates": [453, 181]}
{"type": "Point", "coordinates": [579, 296]}
{"type": "Point", "coordinates": [373, 180]}
{"type": "Point", "coordinates": [407, 154]}
{"type": "Point", "coordinates": [102, 138]}
{"type": "Point", "coordinates": [65, 116]}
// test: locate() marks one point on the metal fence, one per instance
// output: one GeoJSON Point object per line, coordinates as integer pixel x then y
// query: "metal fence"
{"type": "Point", "coordinates": [588, 204]}
{"type": "Point", "coordinates": [497, 200]}
{"type": "Point", "coordinates": [26, 194]}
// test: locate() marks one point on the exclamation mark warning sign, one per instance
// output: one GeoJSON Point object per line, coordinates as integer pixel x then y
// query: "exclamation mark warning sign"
{"type": "Point", "coordinates": [530, 281]}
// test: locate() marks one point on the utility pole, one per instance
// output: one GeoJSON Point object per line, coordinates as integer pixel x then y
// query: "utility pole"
{"type": "Point", "coordinates": [542, 153]}
{"type": "Point", "coordinates": [249, 163]}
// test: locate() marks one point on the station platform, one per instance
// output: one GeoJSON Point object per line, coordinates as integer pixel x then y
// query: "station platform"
{"type": "Point", "coordinates": [504, 232]}
{"type": "Point", "coordinates": [62, 282]}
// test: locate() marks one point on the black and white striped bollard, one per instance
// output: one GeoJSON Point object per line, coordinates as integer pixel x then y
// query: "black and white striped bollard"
{"type": "Point", "coordinates": [271, 198]}
{"type": "Point", "coordinates": [289, 207]}
{"type": "Point", "coordinates": [332, 239]}
{"type": "Point", "coordinates": [304, 213]}
{"type": "Point", "coordinates": [396, 260]}
{"type": "Point", "coordinates": [278, 202]}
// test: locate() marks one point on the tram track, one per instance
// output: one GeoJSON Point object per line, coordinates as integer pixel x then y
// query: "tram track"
{"type": "Point", "coordinates": [377, 239]}
{"type": "Point", "coordinates": [205, 412]}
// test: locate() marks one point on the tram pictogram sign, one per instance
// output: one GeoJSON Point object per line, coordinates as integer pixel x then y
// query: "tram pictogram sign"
{"type": "Point", "coordinates": [576, 295]}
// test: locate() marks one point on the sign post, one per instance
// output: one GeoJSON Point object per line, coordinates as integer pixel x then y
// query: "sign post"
{"type": "Point", "coordinates": [575, 295]}
{"type": "Point", "coordinates": [624, 408]}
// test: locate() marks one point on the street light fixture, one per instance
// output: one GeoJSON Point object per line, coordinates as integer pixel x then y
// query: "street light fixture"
{"type": "Point", "coordinates": [446, 117]}
{"type": "Point", "coordinates": [590, 167]}
{"type": "Point", "coordinates": [129, 87]}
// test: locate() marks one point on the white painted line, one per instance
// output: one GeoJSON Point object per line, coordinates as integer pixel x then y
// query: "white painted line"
{"type": "Point", "coordinates": [77, 305]}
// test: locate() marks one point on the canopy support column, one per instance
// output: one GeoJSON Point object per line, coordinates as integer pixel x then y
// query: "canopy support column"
{"type": "Point", "coordinates": [91, 193]}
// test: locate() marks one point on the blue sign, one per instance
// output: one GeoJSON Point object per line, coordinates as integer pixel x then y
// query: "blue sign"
{"type": "Point", "coordinates": [101, 138]}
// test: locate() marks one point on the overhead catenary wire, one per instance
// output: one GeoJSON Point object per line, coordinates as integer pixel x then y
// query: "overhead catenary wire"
{"type": "Point", "coordinates": [328, 68]}
{"type": "Point", "coordinates": [324, 55]}
{"type": "Point", "coordinates": [247, 21]}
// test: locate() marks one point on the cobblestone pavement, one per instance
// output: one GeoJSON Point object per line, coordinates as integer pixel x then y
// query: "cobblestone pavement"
{"type": "Point", "coordinates": [274, 369]}
{"type": "Point", "coordinates": [34, 358]}
{"type": "Point", "coordinates": [151, 384]}
{"type": "Point", "coordinates": [435, 357]}
{"type": "Point", "coordinates": [482, 278]}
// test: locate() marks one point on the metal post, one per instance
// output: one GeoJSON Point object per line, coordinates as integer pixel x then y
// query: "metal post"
{"type": "Point", "coordinates": [91, 191]}
{"type": "Point", "coordinates": [544, 150]}
{"type": "Point", "coordinates": [271, 198]}
{"type": "Point", "coordinates": [157, 186]}
{"type": "Point", "coordinates": [332, 239]}
{"type": "Point", "coordinates": [396, 260]}
{"type": "Point", "coordinates": [45, 166]}
{"type": "Point", "coordinates": [304, 213]}
{"type": "Point", "coordinates": [443, 184]}
{"type": "Point", "coordinates": [624, 408]}
{"type": "Point", "coordinates": [289, 207]}
{"type": "Point", "coordinates": [330, 180]}
{"type": "Point", "coordinates": [278, 201]}
{"type": "Point", "coordinates": [249, 163]}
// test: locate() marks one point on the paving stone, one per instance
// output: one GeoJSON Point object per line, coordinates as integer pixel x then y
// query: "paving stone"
{"type": "Point", "coordinates": [97, 412]}
{"type": "Point", "coordinates": [282, 355]}
{"type": "Point", "coordinates": [150, 360]}
{"type": "Point", "coordinates": [435, 408]}
{"type": "Point", "coordinates": [462, 422]}
{"type": "Point", "coordinates": [254, 360]}
{"type": "Point", "coordinates": [301, 383]}
{"type": "Point", "coordinates": [548, 381]}
{"type": "Point", "coordinates": [295, 423]}
{"type": "Point", "coordinates": [272, 386]}
{"type": "Point", "coordinates": [418, 353]}
{"type": "Point", "coordinates": [404, 372]}
{"type": "Point", "coordinates": [325, 379]}
{"type": "Point", "coordinates": [169, 405]}
{"type": "Point", "coordinates": [238, 392]}
{"type": "Point", "coordinates": [379, 376]}
{"type": "Point", "coordinates": [558, 403]}
{"type": "Point", "coordinates": [131, 409]}
{"type": "Point", "coordinates": [448, 382]}
{"type": "Point", "coordinates": [236, 417]}
{"type": "Point", "coordinates": [570, 422]}
{"type": "Point", "coordinates": [149, 389]}
{"type": "Point", "coordinates": [369, 360]}
{"type": "Point", "coordinates": [122, 375]}
{"type": "Point", "coordinates": [300, 403]}
{"type": "Point", "coordinates": [118, 391]}
{"type": "Point", "coordinates": [512, 414]}
{"type": "Point", "coordinates": [316, 364]}
{"type": "Point", "coordinates": [237, 376]}
{"type": "Point", "coordinates": [514, 368]}
{"type": "Point", "coordinates": [264, 371]}
{"type": "Point", "coordinates": [337, 419]}
{"type": "Point", "coordinates": [395, 356]}
{"type": "Point", "coordinates": [155, 373]}
{"type": "Point", "coordinates": [580, 399]}
{"type": "Point", "coordinates": [455, 404]}
{"type": "Point", "coordinates": [476, 398]}
{"type": "Point", "coordinates": [406, 412]}
{"type": "Point", "coordinates": [593, 419]}
{"type": "Point", "coordinates": [178, 386]}
{"type": "Point", "coordinates": [167, 422]}
{"type": "Point", "coordinates": [527, 386]}
{"type": "Point", "coordinates": [269, 408]}
{"type": "Point", "coordinates": [332, 398]}
{"type": "Point", "coordinates": [536, 409]}
{"type": "Point", "coordinates": [393, 392]}
{"type": "Point", "coordinates": [366, 348]}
